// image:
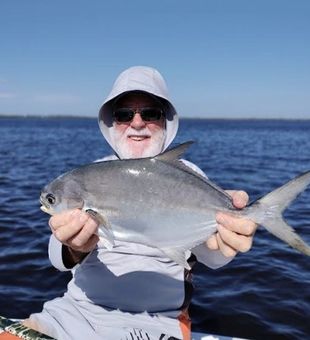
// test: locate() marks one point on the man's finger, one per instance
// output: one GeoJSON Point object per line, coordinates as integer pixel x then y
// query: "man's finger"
{"type": "Point", "coordinates": [240, 198]}
{"type": "Point", "coordinates": [239, 225]}
{"type": "Point", "coordinates": [238, 242]}
{"type": "Point", "coordinates": [225, 248]}
{"type": "Point", "coordinates": [86, 247]}
{"type": "Point", "coordinates": [85, 234]}
{"type": "Point", "coordinates": [74, 226]}
{"type": "Point", "coordinates": [212, 243]}
{"type": "Point", "coordinates": [63, 218]}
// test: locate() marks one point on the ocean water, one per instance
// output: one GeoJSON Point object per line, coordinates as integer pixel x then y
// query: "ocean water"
{"type": "Point", "coordinates": [262, 294]}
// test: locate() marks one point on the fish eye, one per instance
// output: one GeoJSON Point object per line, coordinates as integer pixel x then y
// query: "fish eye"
{"type": "Point", "coordinates": [50, 198]}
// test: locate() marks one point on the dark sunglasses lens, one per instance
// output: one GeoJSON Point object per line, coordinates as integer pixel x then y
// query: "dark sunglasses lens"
{"type": "Point", "coordinates": [151, 114]}
{"type": "Point", "coordinates": [123, 115]}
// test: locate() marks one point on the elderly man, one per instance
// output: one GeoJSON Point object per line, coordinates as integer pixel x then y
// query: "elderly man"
{"type": "Point", "coordinates": [132, 291]}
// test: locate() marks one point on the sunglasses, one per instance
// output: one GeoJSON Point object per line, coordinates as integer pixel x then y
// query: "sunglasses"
{"type": "Point", "coordinates": [148, 114]}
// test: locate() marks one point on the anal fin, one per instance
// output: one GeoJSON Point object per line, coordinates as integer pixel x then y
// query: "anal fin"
{"type": "Point", "coordinates": [178, 255]}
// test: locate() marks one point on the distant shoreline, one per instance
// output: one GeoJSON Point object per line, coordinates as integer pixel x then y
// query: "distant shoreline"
{"type": "Point", "coordinates": [4, 116]}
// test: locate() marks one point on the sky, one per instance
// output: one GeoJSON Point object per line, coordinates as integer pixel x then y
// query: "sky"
{"type": "Point", "coordinates": [220, 58]}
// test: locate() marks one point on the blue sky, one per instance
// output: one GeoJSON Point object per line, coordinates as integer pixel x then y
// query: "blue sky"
{"type": "Point", "coordinates": [220, 58]}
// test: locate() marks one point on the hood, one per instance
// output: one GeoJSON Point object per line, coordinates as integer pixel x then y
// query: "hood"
{"type": "Point", "coordinates": [144, 79]}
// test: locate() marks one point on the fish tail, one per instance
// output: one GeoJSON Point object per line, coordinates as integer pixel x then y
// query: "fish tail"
{"type": "Point", "coordinates": [268, 210]}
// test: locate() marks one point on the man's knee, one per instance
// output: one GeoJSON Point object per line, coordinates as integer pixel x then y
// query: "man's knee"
{"type": "Point", "coordinates": [31, 324]}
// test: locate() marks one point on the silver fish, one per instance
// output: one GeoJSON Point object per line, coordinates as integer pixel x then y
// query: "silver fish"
{"type": "Point", "coordinates": [163, 203]}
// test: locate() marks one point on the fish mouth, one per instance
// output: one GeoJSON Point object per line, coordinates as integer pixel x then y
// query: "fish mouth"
{"type": "Point", "coordinates": [45, 207]}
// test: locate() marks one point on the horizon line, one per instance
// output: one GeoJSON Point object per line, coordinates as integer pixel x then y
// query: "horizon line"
{"type": "Point", "coordinates": [68, 116]}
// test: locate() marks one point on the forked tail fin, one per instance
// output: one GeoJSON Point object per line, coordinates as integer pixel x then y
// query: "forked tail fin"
{"type": "Point", "coordinates": [267, 211]}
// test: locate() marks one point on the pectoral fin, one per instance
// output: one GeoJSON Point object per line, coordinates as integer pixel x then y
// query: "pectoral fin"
{"type": "Point", "coordinates": [104, 228]}
{"type": "Point", "coordinates": [178, 255]}
{"type": "Point", "coordinates": [107, 237]}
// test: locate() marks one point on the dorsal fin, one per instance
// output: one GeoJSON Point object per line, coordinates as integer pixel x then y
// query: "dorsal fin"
{"type": "Point", "coordinates": [174, 153]}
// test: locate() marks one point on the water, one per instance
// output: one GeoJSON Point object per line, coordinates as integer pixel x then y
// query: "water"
{"type": "Point", "coordinates": [263, 294]}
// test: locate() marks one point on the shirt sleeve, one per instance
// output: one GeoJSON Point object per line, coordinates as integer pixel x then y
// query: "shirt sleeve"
{"type": "Point", "coordinates": [211, 258]}
{"type": "Point", "coordinates": [55, 254]}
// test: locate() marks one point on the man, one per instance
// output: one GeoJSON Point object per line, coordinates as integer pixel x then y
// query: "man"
{"type": "Point", "coordinates": [132, 291]}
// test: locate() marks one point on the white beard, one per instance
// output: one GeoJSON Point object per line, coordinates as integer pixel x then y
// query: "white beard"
{"type": "Point", "coordinates": [124, 150]}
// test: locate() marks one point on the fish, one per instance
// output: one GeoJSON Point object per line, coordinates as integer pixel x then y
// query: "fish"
{"type": "Point", "coordinates": [162, 202]}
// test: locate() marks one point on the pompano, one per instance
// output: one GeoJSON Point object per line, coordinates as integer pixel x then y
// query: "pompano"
{"type": "Point", "coordinates": [163, 203]}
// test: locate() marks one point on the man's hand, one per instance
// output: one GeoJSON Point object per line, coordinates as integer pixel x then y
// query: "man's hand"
{"type": "Point", "coordinates": [77, 230]}
{"type": "Point", "coordinates": [234, 233]}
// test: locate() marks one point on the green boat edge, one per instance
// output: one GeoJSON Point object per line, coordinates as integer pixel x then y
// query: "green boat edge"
{"type": "Point", "coordinates": [23, 332]}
